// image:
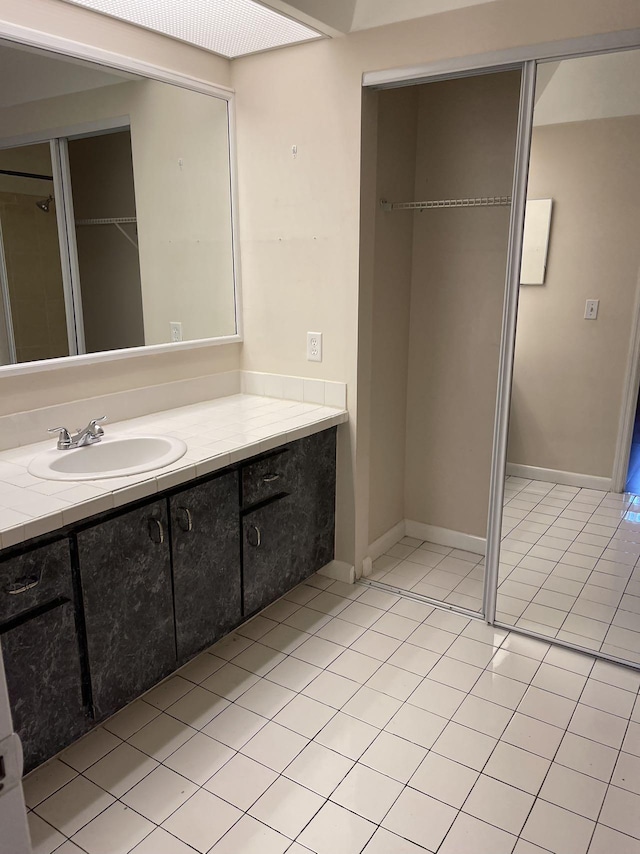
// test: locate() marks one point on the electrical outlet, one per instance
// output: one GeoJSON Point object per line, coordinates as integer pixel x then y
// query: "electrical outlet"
{"type": "Point", "coordinates": [314, 346]}
{"type": "Point", "coordinates": [591, 309]}
{"type": "Point", "coordinates": [175, 330]}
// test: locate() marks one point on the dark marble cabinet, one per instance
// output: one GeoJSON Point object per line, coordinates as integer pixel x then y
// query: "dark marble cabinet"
{"type": "Point", "coordinates": [41, 651]}
{"type": "Point", "coordinates": [268, 553]}
{"type": "Point", "coordinates": [93, 616]}
{"type": "Point", "coordinates": [125, 571]}
{"type": "Point", "coordinates": [206, 563]}
{"type": "Point", "coordinates": [289, 536]}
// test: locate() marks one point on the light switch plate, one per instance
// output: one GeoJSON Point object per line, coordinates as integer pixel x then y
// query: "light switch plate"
{"type": "Point", "coordinates": [591, 309]}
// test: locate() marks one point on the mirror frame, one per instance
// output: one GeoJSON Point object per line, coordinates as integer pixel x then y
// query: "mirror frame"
{"type": "Point", "coordinates": [69, 49]}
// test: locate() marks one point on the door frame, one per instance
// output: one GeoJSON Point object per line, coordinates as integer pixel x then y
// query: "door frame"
{"type": "Point", "coordinates": [630, 388]}
{"type": "Point", "coordinates": [5, 300]}
{"type": "Point", "coordinates": [527, 58]}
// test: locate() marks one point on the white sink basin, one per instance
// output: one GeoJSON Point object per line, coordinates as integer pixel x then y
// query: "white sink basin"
{"type": "Point", "coordinates": [113, 456]}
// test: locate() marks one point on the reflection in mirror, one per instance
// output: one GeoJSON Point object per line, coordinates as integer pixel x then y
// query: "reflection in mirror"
{"type": "Point", "coordinates": [115, 211]}
{"type": "Point", "coordinates": [33, 321]}
{"type": "Point", "coordinates": [438, 285]}
{"type": "Point", "coordinates": [570, 545]}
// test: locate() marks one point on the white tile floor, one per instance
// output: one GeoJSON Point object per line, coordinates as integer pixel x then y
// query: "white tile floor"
{"type": "Point", "coordinates": [345, 719]}
{"type": "Point", "coordinates": [569, 567]}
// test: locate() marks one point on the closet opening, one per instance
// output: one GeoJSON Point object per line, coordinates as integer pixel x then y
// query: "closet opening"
{"type": "Point", "coordinates": [438, 159]}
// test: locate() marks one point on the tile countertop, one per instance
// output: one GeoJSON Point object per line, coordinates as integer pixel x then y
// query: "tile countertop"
{"type": "Point", "coordinates": [218, 433]}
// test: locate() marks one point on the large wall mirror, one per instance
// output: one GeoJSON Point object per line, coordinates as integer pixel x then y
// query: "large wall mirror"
{"type": "Point", "coordinates": [116, 224]}
{"type": "Point", "coordinates": [571, 544]}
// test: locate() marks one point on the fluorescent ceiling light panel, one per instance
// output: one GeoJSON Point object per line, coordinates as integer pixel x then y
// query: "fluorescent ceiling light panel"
{"type": "Point", "coordinates": [228, 27]}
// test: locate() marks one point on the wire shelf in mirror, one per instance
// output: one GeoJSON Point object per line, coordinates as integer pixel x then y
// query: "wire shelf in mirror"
{"type": "Point", "coordinates": [114, 220]}
{"type": "Point", "coordinates": [482, 202]}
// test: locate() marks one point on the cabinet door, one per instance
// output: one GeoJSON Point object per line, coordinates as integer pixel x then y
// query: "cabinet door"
{"type": "Point", "coordinates": [268, 553]}
{"type": "Point", "coordinates": [125, 570]}
{"type": "Point", "coordinates": [41, 650]}
{"type": "Point", "coordinates": [205, 534]}
{"type": "Point", "coordinates": [42, 664]}
{"type": "Point", "coordinates": [315, 503]}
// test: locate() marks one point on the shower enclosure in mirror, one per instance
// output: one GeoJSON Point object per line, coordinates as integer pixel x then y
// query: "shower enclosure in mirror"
{"type": "Point", "coordinates": [443, 176]}
{"type": "Point", "coordinates": [571, 544]}
{"type": "Point", "coordinates": [116, 222]}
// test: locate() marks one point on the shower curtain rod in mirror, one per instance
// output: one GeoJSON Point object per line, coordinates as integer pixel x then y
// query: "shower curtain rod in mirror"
{"type": "Point", "coordinates": [26, 175]}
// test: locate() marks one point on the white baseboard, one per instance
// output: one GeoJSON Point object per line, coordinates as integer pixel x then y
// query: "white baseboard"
{"type": "Point", "coordinates": [566, 478]}
{"type": "Point", "coordinates": [445, 537]}
{"type": "Point", "coordinates": [339, 571]}
{"type": "Point", "coordinates": [382, 544]}
{"type": "Point", "coordinates": [367, 566]}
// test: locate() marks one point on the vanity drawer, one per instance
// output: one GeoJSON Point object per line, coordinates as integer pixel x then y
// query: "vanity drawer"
{"type": "Point", "coordinates": [35, 578]}
{"type": "Point", "coordinates": [268, 477]}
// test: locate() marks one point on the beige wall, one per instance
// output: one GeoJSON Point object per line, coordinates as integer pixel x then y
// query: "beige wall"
{"type": "Point", "coordinates": [569, 372]}
{"type": "Point", "coordinates": [395, 179]}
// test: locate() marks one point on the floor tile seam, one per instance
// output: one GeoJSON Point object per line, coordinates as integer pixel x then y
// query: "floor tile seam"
{"type": "Point", "coordinates": [126, 792]}
{"type": "Point", "coordinates": [326, 801]}
{"type": "Point", "coordinates": [246, 811]}
{"type": "Point", "coordinates": [516, 835]}
{"type": "Point", "coordinates": [269, 719]}
{"type": "Point", "coordinates": [101, 812]}
{"type": "Point", "coordinates": [60, 756]}
{"type": "Point", "coordinates": [610, 781]}
{"type": "Point", "coordinates": [553, 759]}
{"type": "Point", "coordinates": [53, 827]}
{"type": "Point", "coordinates": [378, 823]}
{"type": "Point", "coordinates": [76, 774]}
{"type": "Point", "coordinates": [245, 814]}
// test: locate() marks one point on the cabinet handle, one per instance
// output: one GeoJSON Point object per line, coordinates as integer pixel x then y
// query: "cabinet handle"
{"type": "Point", "coordinates": [21, 585]}
{"type": "Point", "coordinates": [254, 536]}
{"type": "Point", "coordinates": [156, 531]}
{"type": "Point", "coordinates": [184, 520]}
{"type": "Point", "coordinates": [270, 478]}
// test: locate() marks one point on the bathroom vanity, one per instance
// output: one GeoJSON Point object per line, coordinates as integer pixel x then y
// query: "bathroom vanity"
{"type": "Point", "coordinates": [97, 612]}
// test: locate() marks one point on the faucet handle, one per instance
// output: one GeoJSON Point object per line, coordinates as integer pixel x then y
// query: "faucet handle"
{"type": "Point", "coordinates": [64, 437]}
{"type": "Point", "coordinates": [93, 425]}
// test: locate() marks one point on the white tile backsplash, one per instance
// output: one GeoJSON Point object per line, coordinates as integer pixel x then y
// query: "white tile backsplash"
{"type": "Point", "coordinates": [322, 392]}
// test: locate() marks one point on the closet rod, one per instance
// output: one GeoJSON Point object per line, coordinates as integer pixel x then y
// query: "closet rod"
{"type": "Point", "coordinates": [484, 202]}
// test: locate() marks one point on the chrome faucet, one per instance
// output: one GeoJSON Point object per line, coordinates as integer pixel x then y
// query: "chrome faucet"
{"type": "Point", "coordinates": [91, 433]}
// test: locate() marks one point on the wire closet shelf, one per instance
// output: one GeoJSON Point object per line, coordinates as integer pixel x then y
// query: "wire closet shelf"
{"type": "Point", "coordinates": [482, 202]}
{"type": "Point", "coordinates": [118, 221]}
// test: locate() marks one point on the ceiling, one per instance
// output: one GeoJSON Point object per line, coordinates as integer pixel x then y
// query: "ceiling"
{"type": "Point", "coordinates": [233, 28]}
{"type": "Point", "coordinates": [34, 76]}
{"type": "Point", "coordinates": [344, 16]}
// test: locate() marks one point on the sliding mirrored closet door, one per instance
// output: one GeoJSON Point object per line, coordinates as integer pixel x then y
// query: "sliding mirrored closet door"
{"type": "Point", "coordinates": [569, 562]}
{"type": "Point", "coordinates": [444, 175]}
